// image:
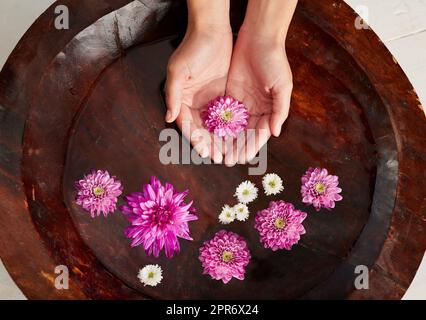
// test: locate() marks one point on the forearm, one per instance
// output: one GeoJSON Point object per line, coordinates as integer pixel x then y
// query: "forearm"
{"type": "Point", "coordinates": [208, 14]}
{"type": "Point", "coordinates": [269, 18]}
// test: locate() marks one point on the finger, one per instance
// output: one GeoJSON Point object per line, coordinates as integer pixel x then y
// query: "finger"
{"type": "Point", "coordinates": [239, 144]}
{"type": "Point", "coordinates": [206, 144]}
{"type": "Point", "coordinates": [196, 135]}
{"type": "Point", "coordinates": [201, 144]}
{"type": "Point", "coordinates": [174, 87]}
{"type": "Point", "coordinates": [216, 153]}
{"type": "Point", "coordinates": [256, 140]}
{"type": "Point", "coordinates": [280, 108]}
{"type": "Point", "coordinates": [231, 152]}
{"type": "Point", "coordinates": [247, 138]}
{"type": "Point", "coordinates": [232, 146]}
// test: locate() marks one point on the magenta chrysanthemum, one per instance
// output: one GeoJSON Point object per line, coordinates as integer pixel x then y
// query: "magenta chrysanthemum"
{"type": "Point", "coordinates": [280, 225]}
{"type": "Point", "coordinates": [98, 193]}
{"type": "Point", "coordinates": [225, 116]}
{"type": "Point", "coordinates": [158, 216]}
{"type": "Point", "coordinates": [320, 188]}
{"type": "Point", "coordinates": [225, 256]}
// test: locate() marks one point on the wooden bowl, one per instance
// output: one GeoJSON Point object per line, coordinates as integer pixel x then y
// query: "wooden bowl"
{"type": "Point", "coordinates": [90, 97]}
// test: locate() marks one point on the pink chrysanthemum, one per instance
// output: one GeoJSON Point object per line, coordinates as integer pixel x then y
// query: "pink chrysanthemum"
{"type": "Point", "coordinates": [98, 193]}
{"type": "Point", "coordinates": [280, 225]}
{"type": "Point", "coordinates": [320, 189]}
{"type": "Point", "coordinates": [225, 256]}
{"type": "Point", "coordinates": [158, 216]}
{"type": "Point", "coordinates": [225, 116]}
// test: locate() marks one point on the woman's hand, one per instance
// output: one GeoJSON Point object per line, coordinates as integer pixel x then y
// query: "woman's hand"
{"type": "Point", "coordinates": [198, 71]}
{"type": "Point", "coordinates": [260, 75]}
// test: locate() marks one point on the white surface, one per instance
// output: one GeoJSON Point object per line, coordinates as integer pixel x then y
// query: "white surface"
{"type": "Point", "coordinates": [8, 289]}
{"type": "Point", "coordinates": [16, 16]}
{"type": "Point", "coordinates": [400, 24]}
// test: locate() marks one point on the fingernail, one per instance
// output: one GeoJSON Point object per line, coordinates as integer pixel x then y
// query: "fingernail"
{"type": "Point", "coordinates": [205, 152]}
{"type": "Point", "coordinates": [230, 163]}
{"type": "Point", "coordinates": [218, 159]}
{"type": "Point", "coordinates": [168, 116]}
{"type": "Point", "coordinates": [229, 158]}
{"type": "Point", "coordinates": [278, 132]}
{"type": "Point", "coordinates": [241, 159]}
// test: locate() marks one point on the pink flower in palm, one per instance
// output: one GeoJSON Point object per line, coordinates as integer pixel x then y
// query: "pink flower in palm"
{"type": "Point", "coordinates": [225, 256]}
{"type": "Point", "coordinates": [98, 193]}
{"type": "Point", "coordinates": [280, 225]}
{"type": "Point", "coordinates": [320, 188]}
{"type": "Point", "coordinates": [225, 116]}
{"type": "Point", "coordinates": [158, 217]}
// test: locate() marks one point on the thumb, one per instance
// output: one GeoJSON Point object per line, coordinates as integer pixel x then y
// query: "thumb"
{"type": "Point", "coordinates": [174, 87]}
{"type": "Point", "coordinates": [280, 108]}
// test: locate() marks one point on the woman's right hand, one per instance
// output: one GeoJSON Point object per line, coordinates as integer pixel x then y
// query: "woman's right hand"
{"type": "Point", "coordinates": [197, 72]}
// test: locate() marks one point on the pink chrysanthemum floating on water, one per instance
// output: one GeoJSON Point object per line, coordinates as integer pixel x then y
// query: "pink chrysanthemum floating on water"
{"type": "Point", "coordinates": [98, 193]}
{"type": "Point", "coordinates": [225, 256]}
{"type": "Point", "coordinates": [158, 216]}
{"type": "Point", "coordinates": [320, 188]}
{"type": "Point", "coordinates": [280, 225]}
{"type": "Point", "coordinates": [225, 116]}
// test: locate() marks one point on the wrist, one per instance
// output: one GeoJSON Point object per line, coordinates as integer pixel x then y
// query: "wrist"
{"type": "Point", "coordinates": [254, 34]}
{"type": "Point", "coordinates": [268, 19]}
{"type": "Point", "coordinates": [250, 39]}
{"type": "Point", "coordinates": [209, 28]}
{"type": "Point", "coordinates": [209, 16]}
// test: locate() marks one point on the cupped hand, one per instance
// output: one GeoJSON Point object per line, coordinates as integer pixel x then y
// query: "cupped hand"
{"type": "Point", "coordinates": [261, 78]}
{"type": "Point", "coordinates": [197, 72]}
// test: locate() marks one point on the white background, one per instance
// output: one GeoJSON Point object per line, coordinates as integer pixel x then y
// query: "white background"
{"type": "Point", "coordinates": [400, 24]}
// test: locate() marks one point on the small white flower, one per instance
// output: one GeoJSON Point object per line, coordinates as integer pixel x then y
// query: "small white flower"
{"type": "Point", "coordinates": [241, 212]}
{"type": "Point", "coordinates": [151, 275]}
{"type": "Point", "coordinates": [272, 184]}
{"type": "Point", "coordinates": [227, 215]}
{"type": "Point", "coordinates": [246, 192]}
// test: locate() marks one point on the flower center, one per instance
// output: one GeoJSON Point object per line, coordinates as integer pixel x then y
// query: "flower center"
{"type": "Point", "coordinates": [228, 215]}
{"type": "Point", "coordinates": [227, 256]}
{"type": "Point", "coordinates": [320, 187]}
{"type": "Point", "coordinates": [272, 184]}
{"type": "Point", "coordinates": [98, 191]}
{"type": "Point", "coordinates": [246, 192]}
{"type": "Point", "coordinates": [162, 216]}
{"type": "Point", "coordinates": [151, 275]}
{"type": "Point", "coordinates": [226, 115]}
{"type": "Point", "coordinates": [279, 223]}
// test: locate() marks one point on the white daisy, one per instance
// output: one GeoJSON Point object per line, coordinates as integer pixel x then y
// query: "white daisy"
{"type": "Point", "coordinates": [151, 275]}
{"type": "Point", "coordinates": [241, 211]}
{"type": "Point", "coordinates": [246, 192]}
{"type": "Point", "coordinates": [227, 215]}
{"type": "Point", "coordinates": [272, 184]}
